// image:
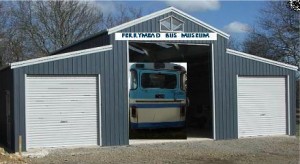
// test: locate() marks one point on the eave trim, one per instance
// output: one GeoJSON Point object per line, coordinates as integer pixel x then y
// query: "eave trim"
{"type": "Point", "coordinates": [260, 59]}
{"type": "Point", "coordinates": [60, 56]}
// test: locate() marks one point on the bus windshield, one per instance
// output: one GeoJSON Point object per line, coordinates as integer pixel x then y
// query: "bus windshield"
{"type": "Point", "coordinates": [158, 80]}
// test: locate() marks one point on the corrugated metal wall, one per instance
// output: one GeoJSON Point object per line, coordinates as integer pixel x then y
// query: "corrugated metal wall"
{"type": "Point", "coordinates": [113, 90]}
{"type": "Point", "coordinates": [6, 80]}
{"type": "Point", "coordinates": [227, 67]}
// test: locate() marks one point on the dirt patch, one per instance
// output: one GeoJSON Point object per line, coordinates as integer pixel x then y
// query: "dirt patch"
{"type": "Point", "coordinates": [6, 158]}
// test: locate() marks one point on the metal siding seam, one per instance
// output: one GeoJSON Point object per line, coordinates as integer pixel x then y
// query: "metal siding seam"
{"type": "Point", "coordinates": [94, 61]}
{"type": "Point", "coordinates": [79, 65]}
{"type": "Point", "coordinates": [89, 63]}
{"type": "Point", "coordinates": [110, 108]}
{"type": "Point", "coordinates": [121, 92]}
{"type": "Point", "coordinates": [213, 90]}
{"type": "Point", "coordinates": [125, 92]}
{"type": "Point", "coordinates": [59, 67]}
{"type": "Point", "coordinates": [237, 71]}
{"type": "Point", "coordinates": [153, 23]}
{"type": "Point", "coordinates": [16, 108]}
{"type": "Point", "coordinates": [46, 68]}
{"type": "Point", "coordinates": [227, 100]}
{"type": "Point", "coordinates": [55, 68]}
{"type": "Point", "coordinates": [68, 67]}
{"type": "Point", "coordinates": [223, 63]}
{"type": "Point", "coordinates": [25, 108]}
{"type": "Point", "coordinates": [112, 99]}
{"type": "Point", "coordinates": [293, 103]}
{"type": "Point", "coordinates": [237, 104]}
{"type": "Point", "coordinates": [265, 70]}
{"type": "Point", "coordinates": [106, 70]}
{"type": "Point", "coordinates": [230, 96]}
{"type": "Point", "coordinates": [288, 105]}
{"type": "Point", "coordinates": [65, 66]}
{"type": "Point", "coordinates": [84, 64]}
{"type": "Point", "coordinates": [233, 95]}
{"type": "Point", "coordinates": [40, 68]}
{"type": "Point", "coordinates": [218, 109]}
{"type": "Point", "coordinates": [126, 138]}
{"type": "Point", "coordinates": [251, 65]}
{"type": "Point", "coordinates": [254, 68]}
{"type": "Point", "coordinates": [99, 111]}
{"type": "Point", "coordinates": [74, 66]}
{"type": "Point", "coordinates": [51, 64]}
{"type": "Point", "coordinates": [101, 69]}
{"type": "Point", "coordinates": [116, 92]}
{"type": "Point", "coordinates": [220, 65]}
{"type": "Point", "coordinates": [22, 108]}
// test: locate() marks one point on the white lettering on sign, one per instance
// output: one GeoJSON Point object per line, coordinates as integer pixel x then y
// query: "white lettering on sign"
{"type": "Point", "coordinates": [165, 36]}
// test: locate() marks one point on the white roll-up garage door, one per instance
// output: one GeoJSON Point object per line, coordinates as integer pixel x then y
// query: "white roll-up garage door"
{"type": "Point", "coordinates": [261, 106]}
{"type": "Point", "coordinates": [61, 111]}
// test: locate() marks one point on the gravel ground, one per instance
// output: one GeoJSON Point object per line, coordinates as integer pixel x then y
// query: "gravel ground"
{"type": "Point", "coordinates": [251, 150]}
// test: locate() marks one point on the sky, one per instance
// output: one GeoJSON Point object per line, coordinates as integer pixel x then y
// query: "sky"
{"type": "Point", "coordinates": [232, 17]}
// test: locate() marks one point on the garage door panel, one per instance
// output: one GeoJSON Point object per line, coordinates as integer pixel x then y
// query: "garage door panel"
{"type": "Point", "coordinates": [261, 106]}
{"type": "Point", "coordinates": [61, 111]}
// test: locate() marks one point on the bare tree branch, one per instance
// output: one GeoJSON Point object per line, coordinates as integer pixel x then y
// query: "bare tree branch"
{"type": "Point", "coordinates": [50, 25]}
{"type": "Point", "coordinates": [30, 29]}
{"type": "Point", "coordinates": [277, 36]}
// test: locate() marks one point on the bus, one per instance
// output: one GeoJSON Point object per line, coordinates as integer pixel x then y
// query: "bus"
{"type": "Point", "coordinates": [157, 96]}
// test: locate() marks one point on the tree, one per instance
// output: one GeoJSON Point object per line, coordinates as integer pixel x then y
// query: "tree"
{"type": "Point", "coordinates": [123, 15]}
{"type": "Point", "coordinates": [31, 29]}
{"type": "Point", "coordinates": [234, 43]}
{"type": "Point", "coordinates": [44, 26]}
{"type": "Point", "coordinates": [276, 35]}
{"type": "Point", "coordinates": [3, 23]}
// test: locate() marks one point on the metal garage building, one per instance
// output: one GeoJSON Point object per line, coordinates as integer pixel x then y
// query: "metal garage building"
{"type": "Point", "coordinates": [79, 94]}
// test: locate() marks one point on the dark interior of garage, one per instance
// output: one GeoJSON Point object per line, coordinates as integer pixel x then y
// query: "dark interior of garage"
{"type": "Point", "coordinates": [199, 116]}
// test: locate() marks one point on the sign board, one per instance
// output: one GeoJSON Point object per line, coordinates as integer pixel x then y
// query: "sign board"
{"type": "Point", "coordinates": [157, 36]}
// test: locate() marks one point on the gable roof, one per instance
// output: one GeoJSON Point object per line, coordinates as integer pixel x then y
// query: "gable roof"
{"type": "Point", "coordinates": [165, 11]}
{"type": "Point", "coordinates": [260, 59]}
{"type": "Point", "coordinates": [102, 32]}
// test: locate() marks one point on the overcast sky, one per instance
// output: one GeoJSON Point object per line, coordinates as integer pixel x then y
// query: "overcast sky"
{"type": "Point", "coordinates": [232, 17]}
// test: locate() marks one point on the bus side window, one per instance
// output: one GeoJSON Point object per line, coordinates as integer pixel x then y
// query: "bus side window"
{"type": "Point", "coordinates": [133, 79]}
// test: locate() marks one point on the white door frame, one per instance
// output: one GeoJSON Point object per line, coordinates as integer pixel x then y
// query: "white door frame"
{"type": "Point", "coordinates": [99, 126]}
{"type": "Point", "coordinates": [213, 82]}
{"type": "Point", "coordinates": [287, 86]}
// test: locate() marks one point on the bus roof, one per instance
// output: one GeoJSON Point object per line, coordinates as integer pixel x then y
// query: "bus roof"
{"type": "Point", "coordinates": [156, 66]}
